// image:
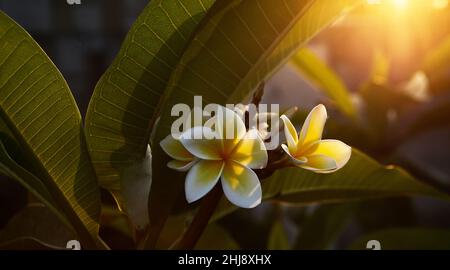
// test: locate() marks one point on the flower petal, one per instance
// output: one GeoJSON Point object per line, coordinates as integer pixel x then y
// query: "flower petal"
{"type": "Point", "coordinates": [334, 149]}
{"type": "Point", "coordinates": [251, 151]}
{"type": "Point", "coordinates": [241, 185]}
{"type": "Point", "coordinates": [202, 178]}
{"type": "Point", "coordinates": [290, 133]}
{"type": "Point", "coordinates": [200, 142]}
{"type": "Point", "coordinates": [180, 165]}
{"type": "Point", "coordinates": [295, 160]}
{"type": "Point", "coordinates": [175, 149]}
{"type": "Point", "coordinates": [313, 127]}
{"type": "Point", "coordinates": [320, 164]}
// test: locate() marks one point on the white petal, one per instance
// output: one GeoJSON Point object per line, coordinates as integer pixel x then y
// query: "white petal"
{"type": "Point", "coordinates": [175, 149]}
{"type": "Point", "coordinates": [241, 185]}
{"type": "Point", "coordinates": [313, 127]}
{"type": "Point", "coordinates": [295, 160]}
{"type": "Point", "coordinates": [202, 178]}
{"type": "Point", "coordinates": [290, 134]}
{"type": "Point", "coordinates": [320, 164]}
{"type": "Point", "coordinates": [200, 142]}
{"type": "Point", "coordinates": [251, 151]}
{"type": "Point", "coordinates": [334, 149]}
{"type": "Point", "coordinates": [181, 166]}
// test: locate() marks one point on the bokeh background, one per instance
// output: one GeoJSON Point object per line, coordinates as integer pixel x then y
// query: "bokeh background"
{"type": "Point", "coordinates": [82, 40]}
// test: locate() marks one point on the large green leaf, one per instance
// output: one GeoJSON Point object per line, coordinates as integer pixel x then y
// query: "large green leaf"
{"type": "Point", "coordinates": [122, 109]}
{"type": "Point", "coordinates": [214, 238]}
{"type": "Point", "coordinates": [407, 239]}
{"type": "Point", "coordinates": [361, 178]}
{"type": "Point", "coordinates": [39, 109]}
{"type": "Point", "coordinates": [278, 238]}
{"type": "Point", "coordinates": [13, 170]}
{"type": "Point", "coordinates": [321, 75]}
{"type": "Point", "coordinates": [323, 226]}
{"type": "Point", "coordinates": [28, 243]}
{"type": "Point", "coordinates": [37, 221]}
{"type": "Point", "coordinates": [239, 45]}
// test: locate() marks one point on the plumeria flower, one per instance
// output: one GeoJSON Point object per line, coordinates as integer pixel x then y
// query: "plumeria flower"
{"type": "Point", "coordinates": [216, 155]}
{"type": "Point", "coordinates": [308, 150]}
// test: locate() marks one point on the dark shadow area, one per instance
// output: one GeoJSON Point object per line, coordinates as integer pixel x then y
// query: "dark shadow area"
{"type": "Point", "coordinates": [81, 40]}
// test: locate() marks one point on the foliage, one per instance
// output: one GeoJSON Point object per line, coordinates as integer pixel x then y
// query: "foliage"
{"type": "Point", "coordinates": [220, 50]}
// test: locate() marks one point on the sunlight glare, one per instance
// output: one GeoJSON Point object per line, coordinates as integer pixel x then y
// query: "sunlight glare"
{"type": "Point", "coordinates": [440, 4]}
{"type": "Point", "coordinates": [397, 3]}
{"type": "Point", "coordinates": [400, 3]}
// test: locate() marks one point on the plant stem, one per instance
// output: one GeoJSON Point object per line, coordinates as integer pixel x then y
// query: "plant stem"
{"type": "Point", "coordinates": [201, 219]}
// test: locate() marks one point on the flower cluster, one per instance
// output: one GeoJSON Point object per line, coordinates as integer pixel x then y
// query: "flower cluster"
{"type": "Point", "coordinates": [210, 154]}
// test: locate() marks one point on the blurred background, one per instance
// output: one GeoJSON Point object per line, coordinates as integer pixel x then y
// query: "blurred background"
{"type": "Point", "coordinates": [392, 56]}
{"type": "Point", "coordinates": [82, 40]}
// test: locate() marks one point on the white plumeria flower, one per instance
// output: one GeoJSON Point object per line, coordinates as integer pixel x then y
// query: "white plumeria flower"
{"type": "Point", "coordinates": [308, 150]}
{"type": "Point", "coordinates": [230, 160]}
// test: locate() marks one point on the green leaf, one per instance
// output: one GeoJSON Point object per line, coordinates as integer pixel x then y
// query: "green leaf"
{"type": "Point", "coordinates": [174, 227]}
{"type": "Point", "coordinates": [278, 238]}
{"type": "Point", "coordinates": [407, 239]}
{"type": "Point", "coordinates": [362, 178]}
{"type": "Point", "coordinates": [122, 110]}
{"type": "Point", "coordinates": [12, 147]}
{"type": "Point", "coordinates": [28, 243]}
{"type": "Point", "coordinates": [321, 75]}
{"type": "Point", "coordinates": [39, 109]}
{"type": "Point", "coordinates": [322, 227]}
{"type": "Point", "coordinates": [37, 221]}
{"type": "Point", "coordinates": [116, 228]}
{"type": "Point", "coordinates": [216, 238]}
{"type": "Point", "coordinates": [34, 185]}
{"type": "Point", "coordinates": [241, 44]}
